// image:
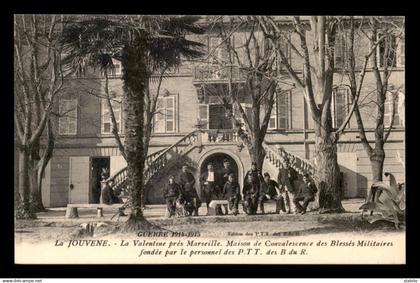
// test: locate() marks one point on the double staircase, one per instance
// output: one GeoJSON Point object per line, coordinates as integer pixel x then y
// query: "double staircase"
{"type": "Point", "coordinates": [277, 156]}
{"type": "Point", "coordinates": [166, 157]}
{"type": "Point", "coordinates": [158, 160]}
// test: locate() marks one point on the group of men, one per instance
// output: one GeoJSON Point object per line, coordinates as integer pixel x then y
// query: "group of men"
{"type": "Point", "coordinates": [257, 190]}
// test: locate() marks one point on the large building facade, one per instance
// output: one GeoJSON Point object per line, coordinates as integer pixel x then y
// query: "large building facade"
{"type": "Point", "coordinates": [196, 130]}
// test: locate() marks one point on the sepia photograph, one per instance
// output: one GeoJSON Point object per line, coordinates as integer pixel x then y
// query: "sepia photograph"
{"type": "Point", "coordinates": [200, 139]}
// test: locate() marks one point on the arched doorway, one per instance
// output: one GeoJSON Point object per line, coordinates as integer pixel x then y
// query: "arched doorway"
{"type": "Point", "coordinates": [217, 160]}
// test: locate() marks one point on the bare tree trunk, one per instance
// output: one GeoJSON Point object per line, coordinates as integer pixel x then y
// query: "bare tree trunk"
{"type": "Point", "coordinates": [24, 211]}
{"type": "Point", "coordinates": [377, 158]}
{"type": "Point", "coordinates": [45, 159]}
{"type": "Point", "coordinates": [257, 154]}
{"type": "Point", "coordinates": [327, 175]}
{"type": "Point", "coordinates": [35, 195]}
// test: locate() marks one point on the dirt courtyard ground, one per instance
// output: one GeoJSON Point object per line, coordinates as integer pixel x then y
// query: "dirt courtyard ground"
{"type": "Point", "coordinates": [52, 224]}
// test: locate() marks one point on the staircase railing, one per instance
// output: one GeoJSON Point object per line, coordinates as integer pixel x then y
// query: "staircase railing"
{"type": "Point", "coordinates": [157, 160]}
{"type": "Point", "coordinates": [277, 157]}
{"type": "Point", "coordinates": [182, 146]}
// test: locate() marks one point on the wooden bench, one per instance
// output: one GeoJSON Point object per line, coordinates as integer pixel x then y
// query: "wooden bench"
{"type": "Point", "coordinates": [214, 204]}
{"type": "Point", "coordinates": [72, 212]}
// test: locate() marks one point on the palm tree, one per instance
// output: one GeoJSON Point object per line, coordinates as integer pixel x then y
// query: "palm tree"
{"type": "Point", "coordinates": [144, 45]}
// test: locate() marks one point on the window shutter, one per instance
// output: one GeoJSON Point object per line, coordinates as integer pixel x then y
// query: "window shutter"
{"type": "Point", "coordinates": [170, 114]}
{"type": "Point", "coordinates": [389, 105]}
{"type": "Point", "coordinates": [159, 119]}
{"type": "Point", "coordinates": [106, 116]}
{"type": "Point", "coordinates": [272, 124]}
{"type": "Point", "coordinates": [401, 53]}
{"type": "Point", "coordinates": [67, 124]}
{"type": "Point", "coordinates": [339, 52]}
{"type": "Point", "coordinates": [203, 115]}
{"type": "Point", "coordinates": [339, 107]}
{"type": "Point", "coordinates": [248, 111]}
{"type": "Point", "coordinates": [283, 110]}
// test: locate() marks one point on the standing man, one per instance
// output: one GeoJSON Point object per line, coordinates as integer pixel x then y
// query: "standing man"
{"type": "Point", "coordinates": [171, 194]}
{"type": "Point", "coordinates": [225, 172]}
{"type": "Point", "coordinates": [232, 193]}
{"type": "Point", "coordinates": [190, 196]}
{"type": "Point", "coordinates": [306, 193]}
{"type": "Point", "coordinates": [256, 174]}
{"type": "Point", "coordinates": [186, 178]}
{"type": "Point", "coordinates": [209, 185]}
{"type": "Point", "coordinates": [250, 193]}
{"type": "Point", "coordinates": [269, 190]}
{"type": "Point", "coordinates": [286, 179]}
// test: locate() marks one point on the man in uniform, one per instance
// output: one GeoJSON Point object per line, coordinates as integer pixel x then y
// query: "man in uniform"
{"type": "Point", "coordinates": [209, 182]}
{"type": "Point", "coordinates": [256, 174]}
{"type": "Point", "coordinates": [225, 172]}
{"type": "Point", "coordinates": [250, 193]}
{"type": "Point", "coordinates": [232, 193]}
{"type": "Point", "coordinates": [189, 194]}
{"type": "Point", "coordinates": [186, 177]}
{"type": "Point", "coordinates": [286, 180]}
{"type": "Point", "coordinates": [171, 194]}
{"type": "Point", "coordinates": [269, 190]}
{"type": "Point", "coordinates": [306, 193]}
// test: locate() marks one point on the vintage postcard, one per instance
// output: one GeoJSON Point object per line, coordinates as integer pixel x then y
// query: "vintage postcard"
{"type": "Point", "coordinates": [199, 139]}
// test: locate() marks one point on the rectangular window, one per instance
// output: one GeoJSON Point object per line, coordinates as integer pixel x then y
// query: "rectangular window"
{"type": "Point", "coordinates": [218, 119]}
{"type": "Point", "coordinates": [203, 115]}
{"type": "Point", "coordinates": [283, 110]}
{"type": "Point", "coordinates": [166, 115]}
{"type": "Point", "coordinates": [401, 53]}
{"type": "Point", "coordinates": [339, 106]}
{"type": "Point", "coordinates": [218, 50]}
{"type": "Point", "coordinates": [340, 51]}
{"type": "Point", "coordinates": [117, 67]}
{"type": "Point", "coordinates": [280, 113]}
{"type": "Point", "coordinates": [116, 105]}
{"type": "Point", "coordinates": [67, 122]}
{"type": "Point", "coordinates": [387, 50]}
{"type": "Point", "coordinates": [389, 105]}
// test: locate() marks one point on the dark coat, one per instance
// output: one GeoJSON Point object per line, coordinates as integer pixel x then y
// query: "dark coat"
{"type": "Point", "coordinates": [269, 188]}
{"type": "Point", "coordinates": [189, 192]}
{"type": "Point", "coordinates": [186, 177]}
{"type": "Point", "coordinates": [256, 176]}
{"type": "Point", "coordinates": [225, 174]}
{"type": "Point", "coordinates": [231, 190]}
{"type": "Point", "coordinates": [307, 190]}
{"type": "Point", "coordinates": [288, 177]}
{"type": "Point", "coordinates": [250, 189]}
{"type": "Point", "coordinates": [107, 195]}
{"type": "Point", "coordinates": [172, 190]}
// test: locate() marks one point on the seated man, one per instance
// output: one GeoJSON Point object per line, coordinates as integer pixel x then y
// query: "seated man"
{"type": "Point", "coordinates": [171, 193]}
{"type": "Point", "coordinates": [232, 193]}
{"type": "Point", "coordinates": [190, 199]}
{"type": "Point", "coordinates": [269, 190]}
{"type": "Point", "coordinates": [209, 181]}
{"type": "Point", "coordinates": [250, 192]}
{"type": "Point", "coordinates": [110, 196]}
{"type": "Point", "coordinates": [306, 193]}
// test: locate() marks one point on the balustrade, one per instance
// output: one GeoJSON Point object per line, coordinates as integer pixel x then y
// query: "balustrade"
{"type": "Point", "coordinates": [279, 156]}
{"type": "Point", "coordinates": [220, 136]}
